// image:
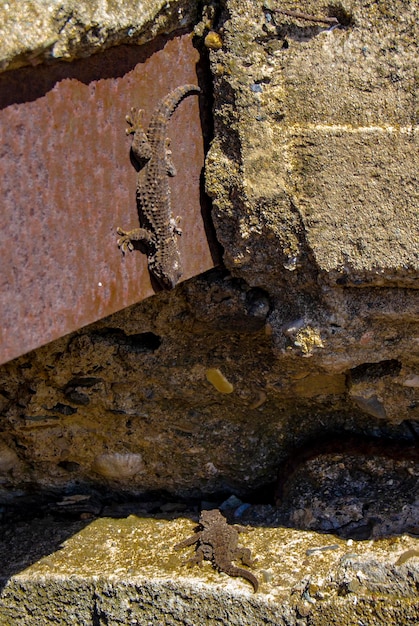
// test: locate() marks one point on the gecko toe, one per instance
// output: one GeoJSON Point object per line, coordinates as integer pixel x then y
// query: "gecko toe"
{"type": "Point", "coordinates": [124, 242]}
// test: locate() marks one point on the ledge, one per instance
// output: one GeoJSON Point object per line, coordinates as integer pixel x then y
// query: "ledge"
{"type": "Point", "coordinates": [118, 570]}
{"type": "Point", "coordinates": [31, 33]}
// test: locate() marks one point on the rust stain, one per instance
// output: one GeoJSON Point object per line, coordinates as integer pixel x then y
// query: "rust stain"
{"type": "Point", "coordinates": [67, 183]}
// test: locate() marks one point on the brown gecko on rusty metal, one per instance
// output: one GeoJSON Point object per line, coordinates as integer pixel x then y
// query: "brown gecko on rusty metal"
{"type": "Point", "coordinates": [218, 542]}
{"type": "Point", "coordinates": [159, 230]}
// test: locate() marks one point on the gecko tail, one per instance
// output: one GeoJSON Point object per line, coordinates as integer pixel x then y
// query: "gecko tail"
{"type": "Point", "coordinates": [243, 573]}
{"type": "Point", "coordinates": [168, 106]}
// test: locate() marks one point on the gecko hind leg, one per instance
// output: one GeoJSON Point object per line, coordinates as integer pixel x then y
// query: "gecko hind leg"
{"type": "Point", "coordinates": [174, 225]}
{"type": "Point", "coordinates": [170, 166]}
{"type": "Point", "coordinates": [245, 556]}
{"type": "Point", "coordinates": [196, 559]}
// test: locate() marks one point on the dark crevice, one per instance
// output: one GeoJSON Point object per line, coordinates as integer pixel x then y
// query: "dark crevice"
{"type": "Point", "coordinates": [69, 466]}
{"type": "Point", "coordinates": [63, 409]}
{"type": "Point", "coordinates": [138, 342]}
{"type": "Point", "coordinates": [345, 18]}
{"type": "Point", "coordinates": [374, 371]}
{"type": "Point", "coordinates": [349, 444]}
{"type": "Point", "coordinates": [82, 381]}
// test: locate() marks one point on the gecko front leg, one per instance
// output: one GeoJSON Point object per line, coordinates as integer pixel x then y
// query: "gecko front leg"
{"type": "Point", "coordinates": [128, 236]}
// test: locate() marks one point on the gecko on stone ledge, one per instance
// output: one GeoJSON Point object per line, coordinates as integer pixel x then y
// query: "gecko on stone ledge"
{"type": "Point", "coordinates": [159, 229]}
{"type": "Point", "coordinates": [218, 542]}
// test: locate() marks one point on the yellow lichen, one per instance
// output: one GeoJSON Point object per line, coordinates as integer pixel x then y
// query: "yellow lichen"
{"type": "Point", "coordinates": [213, 41]}
{"type": "Point", "coordinates": [307, 339]}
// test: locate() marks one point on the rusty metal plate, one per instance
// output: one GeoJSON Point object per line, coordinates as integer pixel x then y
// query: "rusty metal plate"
{"type": "Point", "coordinates": [67, 182]}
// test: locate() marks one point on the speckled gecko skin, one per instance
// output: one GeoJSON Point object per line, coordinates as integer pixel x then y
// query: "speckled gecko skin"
{"type": "Point", "coordinates": [218, 542]}
{"type": "Point", "coordinates": [158, 231]}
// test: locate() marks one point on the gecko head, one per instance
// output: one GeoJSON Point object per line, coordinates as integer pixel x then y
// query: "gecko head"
{"type": "Point", "coordinates": [168, 273]}
{"type": "Point", "coordinates": [210, 517]}
{"type": "Point", "coordinates": [166, 266]}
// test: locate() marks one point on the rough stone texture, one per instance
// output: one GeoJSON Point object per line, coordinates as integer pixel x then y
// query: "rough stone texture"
{"type": "Point", "coordinates": [313, 174]}
{"type": "Point", "coordinates": [35, 31]}
{"type": "Point", "coordinates": [316, 146]}
{"type": "Point", "coordinates": [125, 403]}
{"type": "Point", "coordinates": [354, 494]}
{"type": "Point", "coordinates": [129, 401]}
{"type": "Point", "coordinates": [313, 327]}
{"type": "Point", "coordinates": [127, 572]}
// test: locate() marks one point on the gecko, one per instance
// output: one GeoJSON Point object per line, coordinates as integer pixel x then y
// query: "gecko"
{"type": "Point", "coordinates": [218, 542]}
{"type": "Point", "coordinates": [159, 230]}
